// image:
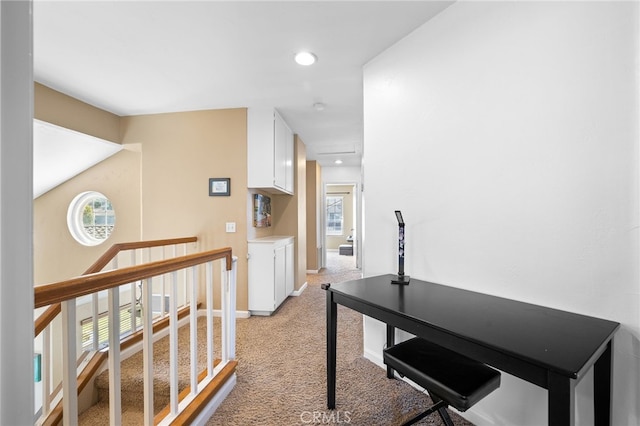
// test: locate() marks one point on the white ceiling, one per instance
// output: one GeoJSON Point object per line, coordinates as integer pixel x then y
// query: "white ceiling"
{"type": "Point", "coordinates": [160, 56]}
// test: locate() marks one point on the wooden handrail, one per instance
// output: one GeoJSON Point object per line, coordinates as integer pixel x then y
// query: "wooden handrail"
{"type": "Point", "coordinates": [87, 284]}
{"type": "Point", "coordinates": [117, 248]}
{"type": "Point", "coordinates": [52, 311]}
{"type": "Point", "coordinates": [46, 317]}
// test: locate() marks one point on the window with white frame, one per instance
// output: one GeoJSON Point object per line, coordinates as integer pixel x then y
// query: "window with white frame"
{"type": "Point", "coordinates": [91, 218]}
{"type": "Point", "coordinates": [335, 217]}
{"type": "Point", "coordinates": [86, 326]}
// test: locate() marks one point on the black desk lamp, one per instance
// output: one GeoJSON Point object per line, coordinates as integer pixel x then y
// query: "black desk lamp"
{"type": "Point", "coordinates": [402, 278]}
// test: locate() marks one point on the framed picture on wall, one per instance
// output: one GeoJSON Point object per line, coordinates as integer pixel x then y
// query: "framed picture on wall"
{"type": "Point", "coordinates": [261, 211]}
{"type": "Point", "coordinates": [219, 187]}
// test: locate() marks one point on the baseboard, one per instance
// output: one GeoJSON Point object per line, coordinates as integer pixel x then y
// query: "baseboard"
{"type": "Point", "coordinates": [375, 358]}
{"type": "Point", "coordinates": [218, 313]}
{"type": "Point", "coordinates": [313, 271]}
{"type": "Point", "coordinates": [215, 402]}
{"type": "Point", "coordinates": [261, 313]}
{"type": "Point", "coordinates": [299, 291]}
{"type": "Point", "coordinates": [475, 418]}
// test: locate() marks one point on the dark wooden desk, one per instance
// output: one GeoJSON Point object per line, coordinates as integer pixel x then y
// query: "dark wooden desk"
{"type": "Point", "coordinates": [548, 347]}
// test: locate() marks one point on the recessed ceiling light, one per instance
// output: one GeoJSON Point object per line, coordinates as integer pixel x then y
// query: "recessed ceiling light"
{"type": "Point", "coordinates": [338, 161]}
{"type": "Point", "coordinates": [305, 58]}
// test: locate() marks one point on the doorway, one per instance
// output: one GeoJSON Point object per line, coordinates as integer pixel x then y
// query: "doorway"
{"type": "Point", "coordinates": [341, 226]}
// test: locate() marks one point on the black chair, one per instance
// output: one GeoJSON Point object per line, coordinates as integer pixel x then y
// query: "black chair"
{"type": "Point", "coordinates": [450, 378]}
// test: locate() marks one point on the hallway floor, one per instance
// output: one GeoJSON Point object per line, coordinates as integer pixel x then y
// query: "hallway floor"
{"type": "Point", "coordinates": [339, 268]}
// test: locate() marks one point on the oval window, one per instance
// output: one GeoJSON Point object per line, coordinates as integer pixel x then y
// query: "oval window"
{"type": "Point", "coordinates": [91, 218]}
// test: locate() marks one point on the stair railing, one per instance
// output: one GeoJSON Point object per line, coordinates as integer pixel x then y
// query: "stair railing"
{"type": "Point", "coordinates": [67, 292]}
{"type": "Point", "coordinates": [138, 253]}
{"type": "Point", "coordinates": [129, 254]}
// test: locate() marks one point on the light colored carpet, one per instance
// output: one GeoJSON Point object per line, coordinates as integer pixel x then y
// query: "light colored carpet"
{"type": "Point", "coordinates": [282, 370]}
{"type": "Point", "coordinates": [132, 386]}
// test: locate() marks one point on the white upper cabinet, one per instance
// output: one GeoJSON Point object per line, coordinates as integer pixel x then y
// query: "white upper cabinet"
{"type": "Point", "coordinates": [269, 151]}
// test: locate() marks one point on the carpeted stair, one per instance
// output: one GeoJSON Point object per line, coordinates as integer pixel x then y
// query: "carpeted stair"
{"type": "Point", "coordinates": [132, 389]}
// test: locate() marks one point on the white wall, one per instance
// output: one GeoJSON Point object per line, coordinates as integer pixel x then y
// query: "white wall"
{"type": "Point", "coordinates": [507, 133]}
{"type": "Point", "coordinates": [341, 175]}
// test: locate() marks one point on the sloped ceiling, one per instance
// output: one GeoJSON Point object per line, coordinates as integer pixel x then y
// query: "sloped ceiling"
{"type": "Point", "coordinates": [60, 154]}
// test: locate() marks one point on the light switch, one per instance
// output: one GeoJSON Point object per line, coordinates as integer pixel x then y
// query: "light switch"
{"type": "Point", "coordinates": [231, 227]}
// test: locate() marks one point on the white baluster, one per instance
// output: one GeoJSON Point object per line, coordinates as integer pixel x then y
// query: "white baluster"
{"type": "Point", "coordinates": [69, 357]}
{"type": "Point", "coordinates": [194, 331]}
{"type": "Point", "coordinates": [147, 351]}
{"type": "Point", "coordinates": [95, 318]}
{"type": "Point", "coordinates": [132, 298]}
{"type": "Point", "coordinates": [209, 287]}
{"type": "Point", "coordinates": [185, 287]}
{"type": "Point", "coordinates": [164, 286]}
{"type": "Point", "coordinates": [173, 344]}
{"type": "Point", "coordinates": [45, 370]}
{"type": "Point", "coordinates": [224, 320]}
{"type": "Point", "coordinates": [231, 348]}
{"type": "Point", "coordinates": [115, 411]}
{"type": "Point", "coordinates": [228, 305]}
{"type": "Point", "coordinates": [182, 276]}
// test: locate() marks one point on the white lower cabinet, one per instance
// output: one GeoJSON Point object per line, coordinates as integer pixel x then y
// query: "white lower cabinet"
{"type": "Point", "coordinates": [271, 273]}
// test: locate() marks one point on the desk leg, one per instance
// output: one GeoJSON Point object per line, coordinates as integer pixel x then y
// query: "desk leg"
{"type": "Point", "coordinates": [391, 340]}
{"type": "Point", "coordinates": [332, 320]}
{"type": "Point", "coordinates": [562, 397]}
{"type": "Point", "coordinates": [602, 387]}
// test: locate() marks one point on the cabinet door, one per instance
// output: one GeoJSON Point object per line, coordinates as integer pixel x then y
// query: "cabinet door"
{"type": "Point", "coordinates": [260, 133]}
{"type": "Point", "coordinates": [280, 153]}
{"type": "Point", "coordinates": [261, 275]}
{"type": "Point", "coordinates": [280, 276]}
{"type": "Point", "coordinates": [290, 279]}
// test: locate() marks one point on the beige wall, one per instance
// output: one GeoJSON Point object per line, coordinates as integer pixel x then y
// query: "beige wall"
{"type": "Point", "coordinates": [313, 189]}
{"type": "Point", "coordinates": [181, 151]}
{"type": "Point", "coordinates": [57, 108]}
{"type": "Point", "coordinates": [346, 192]}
